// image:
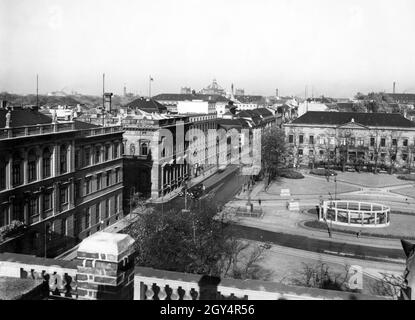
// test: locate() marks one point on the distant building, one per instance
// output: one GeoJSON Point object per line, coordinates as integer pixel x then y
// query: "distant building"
{"type": "Point", "coordinates": [248, 102]}
{"type": "Point", "coordinates": [196, 106]}
{"type": "Point", "coordinates": [185, 90]}
{"type": "Point", "coordinates": [348, 137]}
{"type": "Point", "coordinates": [147, 105]}
{"type": "Point", "coordinates": [213, 89]}
{"type": "Point", "coordinates": [239, 92]}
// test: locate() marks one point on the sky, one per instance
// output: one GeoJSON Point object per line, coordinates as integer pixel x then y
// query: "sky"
{"type": "Point", "coordinates": [332, 48]}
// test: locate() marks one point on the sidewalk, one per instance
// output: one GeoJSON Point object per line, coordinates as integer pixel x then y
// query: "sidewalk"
{"type": "Point", "coordinates": [279, 219]}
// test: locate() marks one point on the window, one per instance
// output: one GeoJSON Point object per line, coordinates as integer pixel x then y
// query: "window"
{"type": "Point", "coordinates": [47, 201]}
{"type": "Point", "coordinates": [311, 152]}
{"type": "Point", "coordinates": [301, 139]}
{"type": "Point", "coordinates": [405, 142]}
{"type": "Point", "coordinates": [404, 157]}
{"type": "Point", "coordinates": [311, 139]}
{"type": "Point", "coordinates": [97, 213]}
{"type": "Point", "coordinates": [4, 216]}
{"type": "Point", "coordinates": [63, 195]}
{"type": "Point", "coordinates": [78, 163]}
{"type": "Point", "coordinates": [360, 142]}
{"type": "Point", "coordinates": [47, 156]}
{"type": "Point", "coordinates": [116, 204]}
{"type": "Point", "coordinates": [2, 174]}
{"type": "Point", "coordinates": [144, 149]}
{"type": "Point", "coordinates": [321, 140]}
{"type": "Point", "coordinates": [17, 176]}
{"type": "Point", "coordinates": [352, 141]}
{"type": "Point", "coordinates": [117, 175]}
{"type": "Point", "coordinates": [107, 208]}
{"type": "Point", "coordinates": [394, 142]}
{"type": "Point", "coordinates": [321, 152]}
{"type": "Point", "coordinates": [18, 211]}
{"type": "Point", "coordinates": [343, 141]}
{"type": "Point", "coordinates": [87, 156]}
{"type": "Point", "coordinates": [108, 178]}
{"type": "Point", "coordinates": [300, 152]}
{"type": "Point", "coordinates": [77, 189]}
{"type": "Point", "coordinates": [132, 149]}
{"type": "Point", "coordinates": [99, 181]}
{"type": "Point", "coordinates": [383, 155]}
{"type": "Point", "coordinates": [107, 152]}
{"type": "Point", "coordinates": [291, 138]}
{"type": "Point", "coordinates": [33, 207]}
{"type": "Point", "coordinates": [372, 142]}
{"type": "Point", "coordinates": [63, 227]}
{"type": "Point", "coordinates": [87, 217]}
{"type": "Point", "coordinates": [382, 142]}
{"type": "Point", "coordinates": [87, 185]}
{"type": "Point", "coordinates": [63, 159]}
{"type": "Point", "coordinates": [97, 154]}
{"type": "Point", "coordinates": [31, 166]}
{"type": "Point", "coordinates": [331, 141]}
{"type": "Point", "coordinates": [115, 150]}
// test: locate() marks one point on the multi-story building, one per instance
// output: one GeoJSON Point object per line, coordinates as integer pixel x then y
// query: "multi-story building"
{"type": "Point", "coordinates": [154, 157]}
{"type": "Point", "coordinates": [62, 179]}
{"type": "Point", "coordinates": [347, 137]}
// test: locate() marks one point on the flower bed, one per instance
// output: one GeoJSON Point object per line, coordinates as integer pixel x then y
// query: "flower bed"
{"type": "Point", "coordinates": [291, 174]}
{"type": "Point", "coordinates": [323, 172]}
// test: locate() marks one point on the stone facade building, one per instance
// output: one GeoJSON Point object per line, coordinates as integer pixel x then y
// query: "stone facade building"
{"type": "Point", "coordinates": [350, 137]}
{"type": "Point", "coordinates": [62, 179]}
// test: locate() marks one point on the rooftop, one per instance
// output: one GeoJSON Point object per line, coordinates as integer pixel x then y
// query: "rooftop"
{"type": "Point", "coordinates": [16, 288]}
{"type": "Point", "coordinates": [366, 119]}
{"type": "Point", "coordinates": [189, 97]}
{"type": "Point", "coordinates": [147, 105]}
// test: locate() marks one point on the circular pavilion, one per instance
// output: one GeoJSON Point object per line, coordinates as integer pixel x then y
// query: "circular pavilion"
{"type": "Point", "coordinates": [355, 213]}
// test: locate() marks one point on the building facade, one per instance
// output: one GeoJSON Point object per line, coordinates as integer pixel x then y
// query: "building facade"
{"type": "Point", "coordinates": [349, 137]}
{"type": "Point", "coordinates": [62, 180]}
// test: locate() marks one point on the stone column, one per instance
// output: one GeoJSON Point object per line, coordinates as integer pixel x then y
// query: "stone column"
{"type": "Point", "coordinates": [9, 165]}
{"type": "Point", "coordinates": [106, 269]}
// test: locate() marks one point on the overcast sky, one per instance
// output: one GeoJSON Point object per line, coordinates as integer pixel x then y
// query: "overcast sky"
{"type": "Point", "coordinates": [335, 48]}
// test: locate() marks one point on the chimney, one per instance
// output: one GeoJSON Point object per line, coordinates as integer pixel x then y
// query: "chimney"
{"type": "Point", "coordinates": [276, 92]}
{"type": "Point", "coordinates": [394, 86]}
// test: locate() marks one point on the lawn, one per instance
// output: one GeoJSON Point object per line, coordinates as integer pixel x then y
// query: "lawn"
{"type": "Point", "coordinates": [370, 180]}
{"type": "Point", "coordinates": [309, 186]}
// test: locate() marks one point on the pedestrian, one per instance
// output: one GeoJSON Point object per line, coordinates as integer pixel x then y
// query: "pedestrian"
{"type": "Point", "coordinates": [358, 233]}
{"type": "Point", "coordinates": [259, 201]}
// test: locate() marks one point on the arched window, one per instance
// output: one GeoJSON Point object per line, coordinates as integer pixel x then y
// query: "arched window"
{"type": "Point", "coordinates": [17, 170]}
{"type": "Point", "coordinates": [2, 173]}
{"type": "Point", "coordinates": [144, 148]}
{"type": "Point", "coordinates": [32, 166]}
{"type": "Point", "coordinates": [132, 149]}
{"type": "Point", "coordinates": [63, 159]}
{"type": "Point", "coordinates": [46, 163]}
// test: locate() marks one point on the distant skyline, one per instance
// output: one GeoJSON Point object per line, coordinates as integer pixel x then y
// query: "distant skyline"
{"type": "Point", "coordinates": [336, 48]}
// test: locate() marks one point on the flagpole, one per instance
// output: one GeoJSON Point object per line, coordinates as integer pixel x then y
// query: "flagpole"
{"type": "Point", "coordinates": [149, 87]}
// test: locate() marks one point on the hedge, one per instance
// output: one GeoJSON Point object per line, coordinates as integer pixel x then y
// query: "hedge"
{"type": "Point", "coordinates": [409, 177]}
{"type": "Point", "coordinates": [323, 172]}
{"type": "Point", "coordinates": [291, 174]}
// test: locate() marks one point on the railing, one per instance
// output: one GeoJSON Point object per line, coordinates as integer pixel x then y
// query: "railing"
{"type": "Point", "coordinates": [101, 131]}
{"type": "Point", "coordinates": [58, 274]}
{"type": "Point", "coordinates": [151, 284]}
{"type": "Point", "coordinates": [355, 213]}
{"type": "Point", "coordinates": [16, 132]}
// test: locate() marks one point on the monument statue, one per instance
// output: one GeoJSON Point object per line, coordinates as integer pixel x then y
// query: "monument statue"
{"type": "Point", "coordinates": [8, 119]}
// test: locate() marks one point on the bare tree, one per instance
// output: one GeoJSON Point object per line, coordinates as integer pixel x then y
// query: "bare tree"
{"type": "Point", "coordinates": [389, 285]}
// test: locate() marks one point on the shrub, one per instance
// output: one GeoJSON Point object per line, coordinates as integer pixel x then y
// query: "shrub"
{"type": "Point", "coordinates": [291, 174]}
{"type": "Point", "coordinates": [410, 177]}
{"type": "Point", "coordinates": [323, 172]}
{"type": "Point", "coordinates": [11, 229]}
